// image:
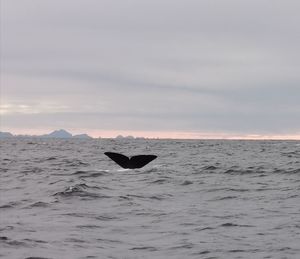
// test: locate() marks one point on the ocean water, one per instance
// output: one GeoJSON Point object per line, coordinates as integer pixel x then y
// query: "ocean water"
{"type": "Point", "coordinates": [198, 199]}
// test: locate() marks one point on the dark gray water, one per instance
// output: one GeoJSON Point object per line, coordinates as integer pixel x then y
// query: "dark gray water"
{"type": "Point", "coordinates": [198, 199]}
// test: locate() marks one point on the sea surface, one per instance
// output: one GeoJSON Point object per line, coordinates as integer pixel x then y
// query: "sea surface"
{"type": "Point", "coordinates": [198, 199]}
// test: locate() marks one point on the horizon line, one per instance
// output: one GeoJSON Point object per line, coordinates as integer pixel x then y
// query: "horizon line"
{"type": "Point", "coordinates": [184, 135]}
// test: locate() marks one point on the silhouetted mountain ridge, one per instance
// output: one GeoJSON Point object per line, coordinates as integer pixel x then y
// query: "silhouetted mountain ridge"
{"type": "Point", "coordinates": [61, 134]}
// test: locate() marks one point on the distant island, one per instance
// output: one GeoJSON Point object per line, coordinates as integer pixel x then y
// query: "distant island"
{"type": "Point", "coordinates": [61, 134]}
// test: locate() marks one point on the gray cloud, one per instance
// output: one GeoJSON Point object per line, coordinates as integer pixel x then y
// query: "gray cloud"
{"type": "Point", "coordinates": [226, 66]}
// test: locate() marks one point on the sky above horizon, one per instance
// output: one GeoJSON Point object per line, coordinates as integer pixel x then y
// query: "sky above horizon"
{"type": "Point", "coordinates": [154, 68]}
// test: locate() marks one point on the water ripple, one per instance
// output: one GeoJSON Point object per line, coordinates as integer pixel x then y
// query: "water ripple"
{"type": "Point", "coordinates": [200, 199]}
{"type": "Point", "coordinates": [81, 190]}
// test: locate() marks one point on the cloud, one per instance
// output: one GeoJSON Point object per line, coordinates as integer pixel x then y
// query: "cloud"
{"type": "Point", "coordinates": [162, 65]}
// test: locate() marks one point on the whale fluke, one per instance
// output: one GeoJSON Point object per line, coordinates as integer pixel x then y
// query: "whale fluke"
{"type": "Point", "coordinates": [132, 162]}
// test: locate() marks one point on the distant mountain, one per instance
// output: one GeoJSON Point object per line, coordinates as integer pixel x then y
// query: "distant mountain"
{"type": "Point", "coordinates": [6, 135]}
{"type": "Point", "coordinates": [61, 134]}
{"type": "Point", "coordinates": [58, 134]}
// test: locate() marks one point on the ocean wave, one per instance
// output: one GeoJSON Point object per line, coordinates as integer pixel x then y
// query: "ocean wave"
{"type": "Point", "coordinates": [210, 168]}
{"type": "Point", "coordinates": [37, 257]}
{"type": "Point", "coordinates": [187, 182]}
{"type": "Point", "coordinates": [291, 154]}
{"type": "Point", "coordinates": [11, 242]}
{"type": "Point", "coordinates": [10, 205]}
{"type": "Point", "coordinates": [158, 197]}
{"type": "Point", "coordinates": [74, 163]}
{"type": "Point", "coordinates": [143, 248]}
{"type": "Point", "coordinates": [81, 190]}
{"type": "Point", "coordinates": [242, 171]}
{"type": "Point", "coordinates": [38, 204]}
{"type": "Point", "coordinates": [31, 170]}
{"type": "Point", "coordinates": [243, 195]}
{"type": "Point", "coordinates": [229, 224]}
{"type": "Point", "coordinates": [90, 173]}
{"type": "Point", "coordinates": [160, 181]}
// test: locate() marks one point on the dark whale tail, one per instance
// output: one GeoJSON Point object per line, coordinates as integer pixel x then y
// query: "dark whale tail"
{"type": "Point", "coordinates": [132, 162]}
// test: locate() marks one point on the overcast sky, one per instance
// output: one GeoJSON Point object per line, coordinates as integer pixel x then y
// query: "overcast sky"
{"type": "Point", "coordinates": [202, 67]}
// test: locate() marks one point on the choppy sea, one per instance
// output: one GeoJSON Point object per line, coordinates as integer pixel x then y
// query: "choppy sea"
{"type": "Point", "coordinates": [198, 199]}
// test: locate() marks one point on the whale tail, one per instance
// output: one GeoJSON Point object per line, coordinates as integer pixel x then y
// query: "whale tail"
{"type": "Point", "coordinates": [132, 162]}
